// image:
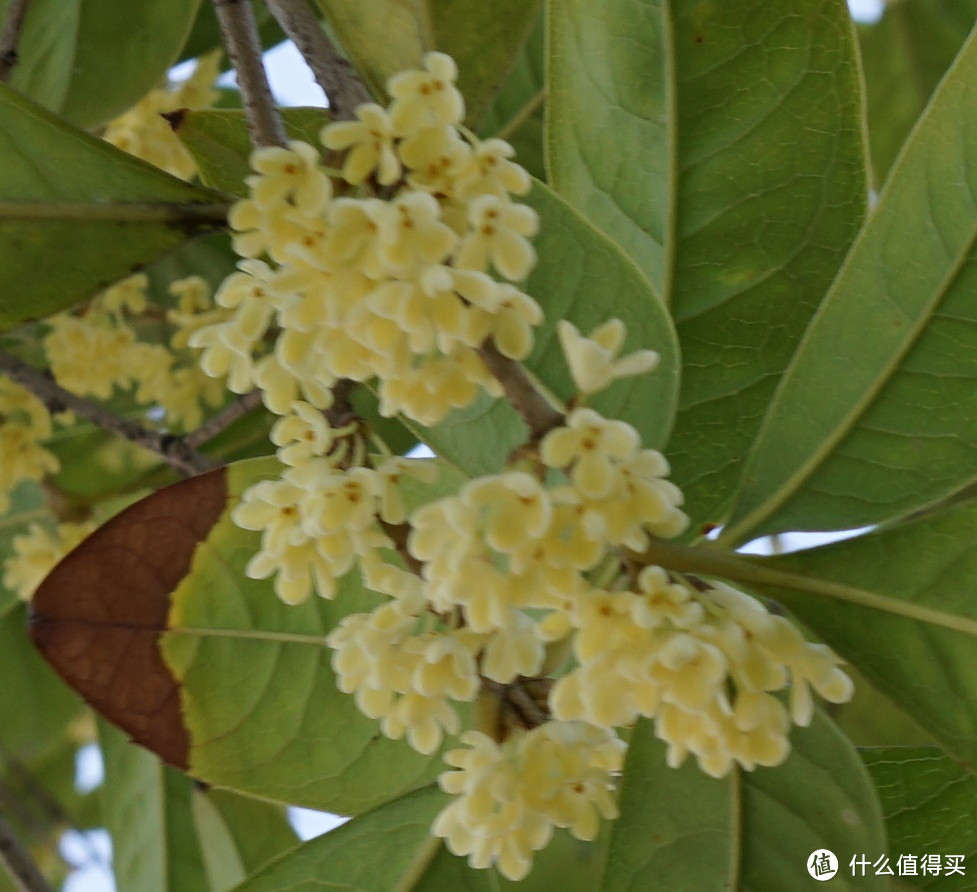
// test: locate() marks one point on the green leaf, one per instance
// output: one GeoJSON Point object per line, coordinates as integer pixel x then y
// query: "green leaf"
{"type": "Point", "coordinates": [929, 803]}
{"type": "Point", "coordinates": [385, 849]}
{"type": "Point", "coordinates": [36, 707]}
{"type": "Point", "coordinates": [99, 212]}
{"type": "Point", "coordinates": [146, 806]}
{"type": "Point", "coordinates": [896, 604]}
{"type": "Point", "coordinates": [820, 798]}
{"type": "Point", "coordinates": [483, 38]}
{"type": "Point", "coordinates": [205, 34]}
{"type": "Point", "coordinates": [584, 277]}
{"type": "Point", "coordinates": [258, 693]}
{"type": "Point", "coordinates": [690, 844]}
{"type": "Point", "coordinates": [904, 55]}
{"type": "Point", "coordinates": [255, 832]}
{"type": "Point", "coordinates": [517, 113]}
{"type": "Point", "coordinates": [680, 829]}
{"type": "Point", "coordinates": [218, 140]}
{"type": "Point", "coordinates": [89, 61]}
{"type": "Point", "coordinates": [721, 145]}
{"type": "Point", "coordinates": [872, 418]}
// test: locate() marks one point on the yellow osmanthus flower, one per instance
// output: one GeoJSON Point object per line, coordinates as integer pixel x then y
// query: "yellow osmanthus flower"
{"type": "Point", "coordinates": [510, 796]}
{"type": "Point", "coordinates": [24, 424]}
{"type": "Point", "coordinates": [593, 360]}
{"type": "Point", "coordinates": [37, 551]}
{"type": "Point", "coordinates": [142, 131]}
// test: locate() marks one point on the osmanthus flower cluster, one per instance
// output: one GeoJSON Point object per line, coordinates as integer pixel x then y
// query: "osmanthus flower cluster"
{"type": "Point", "coordinates": [162, 376]}
{"type": "Point", "coordinates": [144, 132]}
{"type": "Point", "coordinates": [396, 270]}
{"type": "Point", "coordinates": [35, 552]}
{"type": "Point", "coordinates": [24, 426]}
{"type": "Point", "coordinates": [399, 269]}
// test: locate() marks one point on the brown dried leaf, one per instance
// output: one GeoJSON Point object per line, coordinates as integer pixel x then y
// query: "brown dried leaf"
{"type": "Point", "coordinates": [98, 616]}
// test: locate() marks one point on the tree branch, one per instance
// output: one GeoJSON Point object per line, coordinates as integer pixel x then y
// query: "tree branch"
{"type": "Point", "coordinates": [218, 423]}
{"type": "Point", "coordinates": [20, 865]}
{"type": "Point", "coordinates": [538, 413]}
{"type": "Point", "coordinates": [236, 19]}
{"type": "Point", "coordinates": [332, 72]}
{"type": "Point", "coordinates": [10, 38]}
{"type": "Point", "coordinates": [172, 449]}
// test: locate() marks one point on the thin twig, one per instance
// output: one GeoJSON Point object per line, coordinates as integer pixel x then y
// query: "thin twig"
{"type": "Point", "coordinates": [20, 865]}
{"type": "Point", "coordinates": [10, 38]}
{"type": "Point", "coordinates": [222, 420]}
{"type": "Point", "coordinates": [538, 413]}
{"type": "Point", "coordinates": [332, 72]}
{"type": "Point", "coordinates": [172, 449]}
{"type": "Point", "coordinates": [236, 19]}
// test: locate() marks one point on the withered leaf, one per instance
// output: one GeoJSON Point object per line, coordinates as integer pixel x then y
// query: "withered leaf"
{"type": "Point", "coordinates": [98, 616]}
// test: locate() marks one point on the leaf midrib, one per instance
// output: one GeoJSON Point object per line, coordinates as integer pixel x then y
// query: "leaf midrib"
{"type": "Point", "coordinates": [742, 530]}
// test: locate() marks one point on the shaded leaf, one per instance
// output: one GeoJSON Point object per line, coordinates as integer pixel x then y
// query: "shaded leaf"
{"type": "Point", "coordinates": [899, 604]}
{"type": "Point", "coordinates": [36, 708]}
{"type": "Point", "coordinates": [147, 809]}
{"type": "Point", "coordinates": [516, 115]}
{"type": "Point", "coordinates": [872, 419]}
{"type": "Point", "coordinates": [929, 804]}
{"type": "Point", "coordinates": [65, 44]}
{"type": "Point", "coordinates": [100, 212]}
{"type": "Point", "coordinates": [98, 616]}
{"type": "Point", "coordinates": [205, 34]}
{"type": "Point", "coordinates": [904, 55]}
{"type": "Point", "coordinates": [483, 38]}
{"type": "Point", "coordinates": [721, 145]}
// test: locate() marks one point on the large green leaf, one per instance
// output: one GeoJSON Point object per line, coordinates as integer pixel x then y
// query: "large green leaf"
{"type": "Point", "coordinates": [584, 277]}
{"type": "Point", "coordinates": [680, 829]}
{"type": "Point", "coordinates": [147, 809]}
{"type": "Point", "coordinates": [690, 843]}
{"type": "Point", "coordinates": [91, 60]}
{"type": "Point", "coordinates": [873, 418]}
{"type": "Point", "coordinates": [899, 605]}
{"type": "Point", "coordinates": [258, 693]}
{"type": "Point", "coordinates": [517, 113]}
{"type": "Point", "coordinates": [483, 38]}
{"type": "Point", "coordinates": [721, 145]}
{"type": "Point", "coordinates": [904, 55]}
{"type": "Point", "coordinates": [820, 798]}
{"type": "Point", "coordinates": [929, 804]}
{"type": "Point", "coordinates": [96, 211]}
{"type": "Point", "coordinates": [385, 849]}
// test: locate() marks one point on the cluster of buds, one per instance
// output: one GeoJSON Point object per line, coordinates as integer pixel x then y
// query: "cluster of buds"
{"type": "Point", "coordinates": [398, 269]}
